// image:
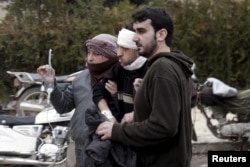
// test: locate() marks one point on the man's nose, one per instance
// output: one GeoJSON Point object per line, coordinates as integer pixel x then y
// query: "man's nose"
{"type": "Point", "coordinates": [119, 52]}
{"type": "Point", "coordinates": [135, 38]}
{"type": "Point", "coordinates": [90, 56]}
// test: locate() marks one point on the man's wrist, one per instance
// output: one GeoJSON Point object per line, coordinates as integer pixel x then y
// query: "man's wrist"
{"type": "Point", "coordinates": [107, 113]}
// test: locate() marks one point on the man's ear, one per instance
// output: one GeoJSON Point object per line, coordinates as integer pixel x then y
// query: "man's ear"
{"type": "Point", "coordinates": [161, 34]}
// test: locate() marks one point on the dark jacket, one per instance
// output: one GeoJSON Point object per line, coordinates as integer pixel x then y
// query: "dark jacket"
{"type": "Point", "coordinates": [161, 131]}
{"type": "Point", "coordinates": [104, 153]}
{"type": "Point", "coordinates": [125, 90]}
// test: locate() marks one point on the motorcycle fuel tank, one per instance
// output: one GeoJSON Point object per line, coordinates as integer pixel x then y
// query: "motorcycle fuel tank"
{"type": "Point", "coordinates": [49, 115]}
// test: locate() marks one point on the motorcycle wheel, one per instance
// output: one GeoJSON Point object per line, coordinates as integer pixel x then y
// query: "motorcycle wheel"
{"type": "Point", "coordinates": [32, 96]}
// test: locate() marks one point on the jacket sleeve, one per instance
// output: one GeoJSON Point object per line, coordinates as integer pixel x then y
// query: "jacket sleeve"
{"type": "Point", "coordinates": [99, 91]}
{"type": "Point", "coordinates": [62, 101]}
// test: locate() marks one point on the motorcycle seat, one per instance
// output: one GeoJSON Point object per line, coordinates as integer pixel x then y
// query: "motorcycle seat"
{"type": "Point", "coordinates": [17, 120]}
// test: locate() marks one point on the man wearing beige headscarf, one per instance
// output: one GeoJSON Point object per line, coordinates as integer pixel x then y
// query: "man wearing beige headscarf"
{"type": "Point", "coordinates": [101, 56]}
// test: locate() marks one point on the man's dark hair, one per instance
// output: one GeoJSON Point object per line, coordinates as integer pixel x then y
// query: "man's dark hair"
{"type": "Point", "coordinates": [129, 26]}
{"type": "Point", "coordinates": [159, 17]}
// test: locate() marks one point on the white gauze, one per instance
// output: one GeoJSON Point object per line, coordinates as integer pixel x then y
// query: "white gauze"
{"type": "Point", "coordinates": [125, 37]}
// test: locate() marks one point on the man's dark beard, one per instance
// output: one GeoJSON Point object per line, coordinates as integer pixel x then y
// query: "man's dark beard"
{"type": "Point", "coordinates": [149, 51]}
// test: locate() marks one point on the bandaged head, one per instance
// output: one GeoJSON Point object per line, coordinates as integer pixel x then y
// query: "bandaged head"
{"type": "Point", "coordinates": [125, 39]}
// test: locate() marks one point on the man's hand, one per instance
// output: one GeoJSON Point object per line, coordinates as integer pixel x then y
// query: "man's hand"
{"type": "Point", "coordinates": [128, 117]}
{"type": "Point", "coordinates": [113, 120]}
{"type": "Point", "coordinates": [42, 71]}
{"type": "Point", "coordinates": [137, 83]}
{"type": "Point", "coordinates": [105, 130]}
{"type": "Point", "coordinates": [111, 86]}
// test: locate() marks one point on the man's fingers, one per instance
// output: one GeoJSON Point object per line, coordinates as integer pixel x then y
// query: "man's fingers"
{"type": "Point", "coordinates": [137, 82]}
{"type": "Point", "coordinates": [104, 137]}
{"type": "Point", "coordinates": [112, 83]}
{"type": "Point", "coordinates": [100, 131]}
{"type": "Point", "coordinates": [108, 87]}
{"type": "Point", "coordinates": [111, 87]}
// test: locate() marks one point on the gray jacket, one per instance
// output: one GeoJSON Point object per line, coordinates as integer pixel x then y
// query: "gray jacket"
{"type": "Point", "coordinates": [78, 96]}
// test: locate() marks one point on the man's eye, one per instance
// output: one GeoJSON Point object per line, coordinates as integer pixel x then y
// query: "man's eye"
{"type": "Point", "coordinates": [141, 31]}
{"type": "Point", "coordinates": [123, 48]}
{"type": "Point", "coordinates": [96, 53]}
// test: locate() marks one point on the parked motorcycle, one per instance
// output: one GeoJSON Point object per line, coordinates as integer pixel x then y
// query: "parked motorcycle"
{"type": "Point", "coordinates": [40, 140]}
{"type": "Point", "coordinates": [227, 115]}
{"type": "Point", "coordinates": [31, 97]}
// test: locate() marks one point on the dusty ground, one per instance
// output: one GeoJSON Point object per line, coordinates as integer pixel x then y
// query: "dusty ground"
{"type": "Point", "coordinates": [199, 160]}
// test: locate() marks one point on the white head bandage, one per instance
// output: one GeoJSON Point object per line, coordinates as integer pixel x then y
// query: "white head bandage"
{"type": "Point", "coordinates": [125, 37]}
